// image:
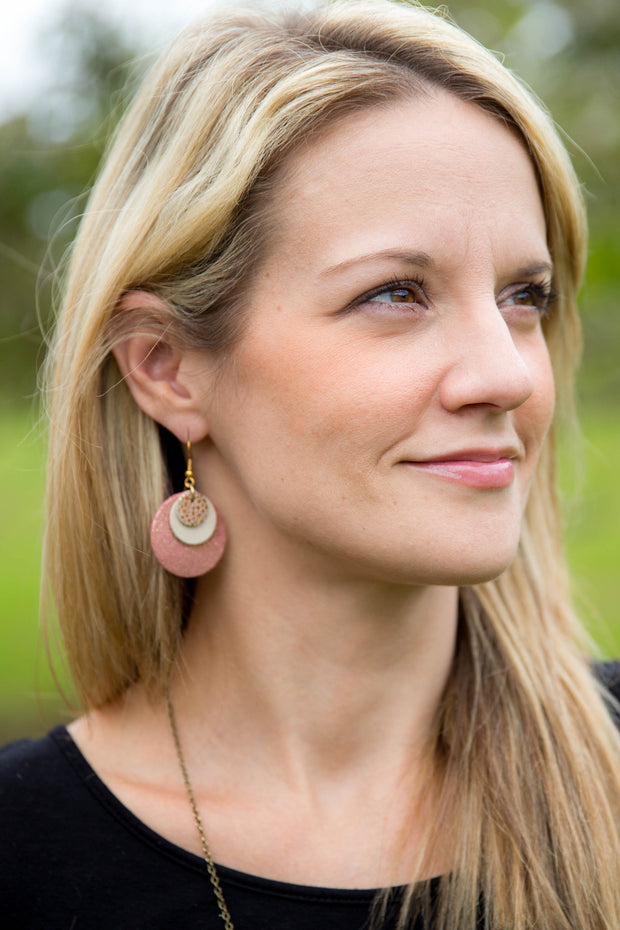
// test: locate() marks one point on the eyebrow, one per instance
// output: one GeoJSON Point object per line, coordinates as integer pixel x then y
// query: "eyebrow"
{"type": "Point", "coordinates": [530, 271]}
{"type": "Point", "coordinates": [421, 259]}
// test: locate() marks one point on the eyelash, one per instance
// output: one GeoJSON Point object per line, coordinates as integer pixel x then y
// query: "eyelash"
{"type": "Point", "coordinates": [543, 294]}
{"type": "Point", "coordinates": [393, 284]}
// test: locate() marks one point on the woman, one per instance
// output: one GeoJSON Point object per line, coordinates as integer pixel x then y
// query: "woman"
{"type": "Point", "coordinates": [332, 258]}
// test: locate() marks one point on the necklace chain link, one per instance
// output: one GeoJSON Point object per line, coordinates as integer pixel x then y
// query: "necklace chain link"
{"type": "Point", "coordinates": [206, 854]}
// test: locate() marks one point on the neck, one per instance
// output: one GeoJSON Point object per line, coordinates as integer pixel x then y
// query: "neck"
{"type": "Point", "coordinates": [319, 706]}
{"type": "Point", "coordinates": [317, 680]}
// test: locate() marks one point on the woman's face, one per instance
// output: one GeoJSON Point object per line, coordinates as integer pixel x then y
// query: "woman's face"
{"type": "Point", "coordinates": [386, 406]}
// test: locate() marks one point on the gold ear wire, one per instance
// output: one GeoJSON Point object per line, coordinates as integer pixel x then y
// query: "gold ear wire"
{"type": "Point", "coordinates": [190, 481]}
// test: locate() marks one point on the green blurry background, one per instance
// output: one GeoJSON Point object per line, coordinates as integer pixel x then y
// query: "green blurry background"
{"type": "Point", "coordinates": [569, 54]}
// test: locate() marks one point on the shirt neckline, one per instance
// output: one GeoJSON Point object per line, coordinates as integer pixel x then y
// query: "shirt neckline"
{"type": "Point", "coordinates": [91, 781]}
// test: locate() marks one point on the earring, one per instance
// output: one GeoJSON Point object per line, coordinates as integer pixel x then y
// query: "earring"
{"type": "Point", "coordinates": [188, 534]}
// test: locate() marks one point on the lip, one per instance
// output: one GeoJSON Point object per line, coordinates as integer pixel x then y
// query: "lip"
{"type": "Point", "coordinates": [474, 468]}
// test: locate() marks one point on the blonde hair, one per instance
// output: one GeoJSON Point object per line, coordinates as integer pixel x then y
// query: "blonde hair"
{"type": "Point", "coordinates": [525, 752]}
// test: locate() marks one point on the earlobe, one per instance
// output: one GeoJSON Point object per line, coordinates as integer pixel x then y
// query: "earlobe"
{"type": "Point", "coordinates": [152, 366]}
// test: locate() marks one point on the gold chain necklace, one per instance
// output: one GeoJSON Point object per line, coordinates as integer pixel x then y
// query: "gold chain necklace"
{"type": "Point", "coordinates": [213, 876]}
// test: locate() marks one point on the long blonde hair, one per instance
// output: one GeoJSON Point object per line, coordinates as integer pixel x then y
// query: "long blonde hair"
{"type": "Point", "coordinates": [181, 208]}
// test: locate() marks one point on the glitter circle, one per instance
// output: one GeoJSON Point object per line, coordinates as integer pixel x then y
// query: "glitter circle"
{"type": "Point", "coordinates": [186, 561]}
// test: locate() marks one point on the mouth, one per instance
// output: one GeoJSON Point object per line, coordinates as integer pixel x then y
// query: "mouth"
{"type": "Point", "coordinates": [474, 468]}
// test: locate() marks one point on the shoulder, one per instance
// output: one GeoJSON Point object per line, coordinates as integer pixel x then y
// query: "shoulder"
{"type": "Point", "coordinates": [70, 855]}
{"type": "Point", "coordinates": [608, 674]}
{"type": "Point", "coordinates": [38, 800]}
{"type": "Point", "coordinates": [39, 792]}
{"type": "Point", "coordinates": [31, 765]}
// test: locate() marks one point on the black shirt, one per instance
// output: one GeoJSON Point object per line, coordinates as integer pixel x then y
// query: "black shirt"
{"type": "Point", "coordinates": [72, 857]}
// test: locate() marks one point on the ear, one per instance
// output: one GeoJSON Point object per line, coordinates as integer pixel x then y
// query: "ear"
{"type": "Point", "coordinates": [156, 370]}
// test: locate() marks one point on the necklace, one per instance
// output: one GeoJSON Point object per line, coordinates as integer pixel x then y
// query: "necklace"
{"type": "Point", "coordinates": [206, 854]}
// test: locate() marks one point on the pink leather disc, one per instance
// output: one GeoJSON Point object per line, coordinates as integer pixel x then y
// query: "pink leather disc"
{"type": "Point", "coordinates": [179, 558]}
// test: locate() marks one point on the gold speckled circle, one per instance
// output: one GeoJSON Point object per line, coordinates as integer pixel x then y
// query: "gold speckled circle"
{"type": "Point", "coordinates": [192, 512]}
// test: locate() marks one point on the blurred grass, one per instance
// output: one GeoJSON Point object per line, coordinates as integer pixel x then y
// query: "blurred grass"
{"type": "Point", "coordinates": [592, 526]}
{"type": "Point", "coordinates": [29, 702]}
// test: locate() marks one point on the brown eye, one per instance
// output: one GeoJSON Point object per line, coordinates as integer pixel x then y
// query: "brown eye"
{"type": "Point", "coordinates": [537, 296]}
{"type": "Point", "coordinates": [526, 297]}
{"type": "Point", "coordinates": [394, 291]}
{"type": "Point", "coordinates": [397, 295]}
{"type": "Point", "coordinates": [403, 296]}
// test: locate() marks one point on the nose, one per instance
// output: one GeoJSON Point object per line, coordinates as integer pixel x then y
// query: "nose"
{"type": "Point", "coordinates": [488, 363]}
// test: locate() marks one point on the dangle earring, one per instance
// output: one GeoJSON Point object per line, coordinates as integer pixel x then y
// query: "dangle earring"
{"type": "Point", "coordinates": [188, 534]}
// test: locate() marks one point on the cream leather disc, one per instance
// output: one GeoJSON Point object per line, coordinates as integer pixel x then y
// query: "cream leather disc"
{"type": "Point", "coordinates": [193, 535]}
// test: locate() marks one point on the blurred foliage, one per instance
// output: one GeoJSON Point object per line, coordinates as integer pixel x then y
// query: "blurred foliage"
{"type": "Point", "coordinates": [48, 159]}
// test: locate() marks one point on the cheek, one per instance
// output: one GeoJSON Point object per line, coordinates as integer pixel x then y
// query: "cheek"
{"type": "Point", "coordinates": [536, 415]}
{"type": "Point", "coordinates": [325, 393]}
{"type": "Point", "coordinates": [546, 390]}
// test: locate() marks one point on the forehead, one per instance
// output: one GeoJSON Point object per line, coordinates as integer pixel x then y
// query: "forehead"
{"type": "Point", "coordinates": [435, 167]}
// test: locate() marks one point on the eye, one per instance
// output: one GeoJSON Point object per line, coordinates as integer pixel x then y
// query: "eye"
{"type": "Point", "coordinates": [398, 295]}
{"type": "Point", "coordinates": [537, 296]}
{"type": "Point", "coordinates": [394, 292]}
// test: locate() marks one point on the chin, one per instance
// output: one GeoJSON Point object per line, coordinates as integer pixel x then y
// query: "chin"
{"type": "Point", "coordinates": [477, 570]}
{"type": "Point", "coordinates": [480, 574]}
{"type": "Point", "coordinates": [455, 569]}
{"type": "Point", "coordinates": [446, 575]}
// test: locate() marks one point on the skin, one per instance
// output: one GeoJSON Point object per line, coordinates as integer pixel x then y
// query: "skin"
{"type": "Point", "coordinates": [318, 650]}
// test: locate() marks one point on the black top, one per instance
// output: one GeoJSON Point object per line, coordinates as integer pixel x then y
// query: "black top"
{"type": "Point", "coordinates": [72, 857]}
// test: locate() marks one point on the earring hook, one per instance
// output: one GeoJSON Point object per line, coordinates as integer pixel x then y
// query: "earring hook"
{"type": "Point", "coordinates": [190, 481]}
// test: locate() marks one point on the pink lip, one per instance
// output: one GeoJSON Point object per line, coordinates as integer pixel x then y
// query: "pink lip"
{"type": "Point", "coordinates": [476, 469]}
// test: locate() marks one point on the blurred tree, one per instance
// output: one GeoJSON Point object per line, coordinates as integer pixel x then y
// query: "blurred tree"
{"type": "Point", "coordinates": [48, 158]}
